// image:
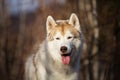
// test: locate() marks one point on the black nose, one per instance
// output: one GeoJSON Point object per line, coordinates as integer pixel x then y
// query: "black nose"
{"type": "Point", "coordinates": [63, 49]}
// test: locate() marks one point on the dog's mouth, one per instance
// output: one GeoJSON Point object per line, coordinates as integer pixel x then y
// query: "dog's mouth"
{"type": "Point", "coordinates": [66, 58]}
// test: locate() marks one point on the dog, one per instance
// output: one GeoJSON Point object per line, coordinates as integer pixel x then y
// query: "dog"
{"type": "Point", "coordinates": [58, 56]}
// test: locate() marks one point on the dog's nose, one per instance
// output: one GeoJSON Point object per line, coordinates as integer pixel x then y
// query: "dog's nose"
{"type": "Point", "coordinates": [63, 49]}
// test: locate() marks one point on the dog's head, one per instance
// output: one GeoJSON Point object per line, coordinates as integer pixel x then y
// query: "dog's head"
{"type": "Point", "coordinates": [64, 37]}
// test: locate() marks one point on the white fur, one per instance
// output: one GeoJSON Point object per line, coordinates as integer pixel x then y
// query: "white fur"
{"type": "Point", "coordinates": [47, 64]}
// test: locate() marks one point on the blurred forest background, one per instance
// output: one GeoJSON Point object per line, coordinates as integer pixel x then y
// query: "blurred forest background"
{"type": "Point", "coordinates": [22, 28]}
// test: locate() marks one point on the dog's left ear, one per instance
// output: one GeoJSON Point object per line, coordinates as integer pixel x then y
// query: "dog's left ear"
{"type": "Point", "coordinates": [74, 21]}
{"type": "Point", "coordinates": [50, 23]}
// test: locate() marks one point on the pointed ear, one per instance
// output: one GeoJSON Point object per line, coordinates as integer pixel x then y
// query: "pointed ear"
{"type": "Point", "coordinates": [74, 21]}
{"type": "Point", "coordinates": [50, 23]}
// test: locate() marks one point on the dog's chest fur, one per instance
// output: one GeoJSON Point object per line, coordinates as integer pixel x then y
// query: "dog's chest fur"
{"type": "Point", "coordinates": [54, 70]}
{"type": "Point", "coordinates": [61, 74]}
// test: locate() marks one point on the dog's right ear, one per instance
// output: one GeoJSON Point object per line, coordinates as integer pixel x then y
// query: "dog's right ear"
{"type": "Point", "coordinates": [50, 23]}
{"type": "Point", "coordinates": [74, 21]}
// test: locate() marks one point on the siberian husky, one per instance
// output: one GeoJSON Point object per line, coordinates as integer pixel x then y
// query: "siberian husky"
{"type": "Point", "coordinates": [58, 56]}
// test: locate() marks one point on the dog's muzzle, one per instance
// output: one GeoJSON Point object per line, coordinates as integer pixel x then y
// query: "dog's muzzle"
{"type": "Point", "coordinates": [66, 57]}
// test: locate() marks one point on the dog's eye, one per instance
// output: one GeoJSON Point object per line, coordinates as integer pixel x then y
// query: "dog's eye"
{"type": "Point", "coordinates": [57, 38]}
{"type": "Point", "coordinates": [69, 37]}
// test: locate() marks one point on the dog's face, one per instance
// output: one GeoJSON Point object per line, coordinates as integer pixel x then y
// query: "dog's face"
{"type": "Point", "coordinates": [63, 37]}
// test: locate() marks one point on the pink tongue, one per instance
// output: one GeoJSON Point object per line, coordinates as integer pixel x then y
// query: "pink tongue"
{"type": "Point", "coordinates": [66, 59]}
